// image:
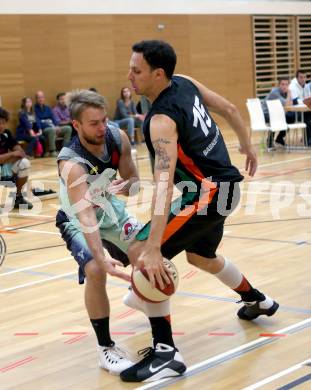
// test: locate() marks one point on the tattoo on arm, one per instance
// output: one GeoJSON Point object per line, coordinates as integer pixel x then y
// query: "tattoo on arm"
{"type": "Point", "coordinates": [163, 159]}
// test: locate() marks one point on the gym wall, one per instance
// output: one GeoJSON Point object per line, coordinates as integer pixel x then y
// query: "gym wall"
{"type": "Point", "coordinates": [57, 53]}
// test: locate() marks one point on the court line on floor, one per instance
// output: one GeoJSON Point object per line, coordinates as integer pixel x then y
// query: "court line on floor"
{"type": "Point", "coordinates": [72, 276]}
{"type": "Point", "coordinates": [296, 382]}
{"type": "Point", "coordinates": [282, 162]}
{"type": "Point", "coordinates": [268, 221]}
{"type": "Point", "coordinates": [30, 215]}
{"type": "Point", "coordinates": [31, 267]}
{"type": "Point", "coordinates": [277, 375]}
{"type": "Point", "coordinates": [269, 240]}
{"type": "Point", "coordinates": [226, 356]}
{"type": "Point", "coordinates": [18, 226]}
{"type": "Point", "coordinates": [61, 276]}
{"type": "Point", "coordinates": [39, 231]}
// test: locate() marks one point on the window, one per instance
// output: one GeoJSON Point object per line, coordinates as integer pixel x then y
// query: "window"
{"type": "Point", "coordinates": [304, 44]}
{"type": "Point", "coordinates": [274, 50]}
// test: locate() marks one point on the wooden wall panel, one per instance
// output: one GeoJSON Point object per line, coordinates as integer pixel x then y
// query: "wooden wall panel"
{"type": "Point", "coordinates": [129, 30]}
{"type": "Point", "coordinates": [60, 52]}
{"type": "Point", "coordinates": [11, 72]}
{"type": "Point", "coordinates": [45, 54]}
{"type": "Point", "coordinates": [92, 57]}
{"type": "Point", "coordinates": [221, 55]}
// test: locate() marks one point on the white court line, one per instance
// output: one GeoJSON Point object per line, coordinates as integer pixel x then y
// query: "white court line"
{"type": "Point", "coordinates": [49, 180]}
{"type": "Point", "coordinates": [219, 358]}
{"type": "Point", "coordinates": [283, 162]}
{"type": "Point", "coordinates": [38, 282]}
{"type": "Point", "coordinates": [39, 231]}
{"type": "Point", "coordinates": [278, 375]}
{"type": "Point", "coordinates": [30, 215]}
{"type": "Point", "coordinates": [36, 266]}
{"type": "Point", "coordinates": [271, 193]}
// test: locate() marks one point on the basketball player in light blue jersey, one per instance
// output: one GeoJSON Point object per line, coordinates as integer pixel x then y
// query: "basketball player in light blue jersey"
{"type": "Point", "coordinates": [91, 215]}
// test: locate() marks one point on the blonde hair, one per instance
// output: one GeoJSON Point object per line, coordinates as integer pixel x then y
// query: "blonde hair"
{"type": "Point", "coordinates": [79, 100]}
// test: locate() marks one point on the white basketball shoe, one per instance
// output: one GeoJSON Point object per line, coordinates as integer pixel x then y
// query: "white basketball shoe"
{"type": "Point", "coordinates": [113, 359]}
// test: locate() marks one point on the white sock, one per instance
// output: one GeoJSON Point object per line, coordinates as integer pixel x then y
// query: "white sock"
{"type": "Point", "coordinates": [267, 303]}
{"type": "Point", "coordinates": [230, 275]}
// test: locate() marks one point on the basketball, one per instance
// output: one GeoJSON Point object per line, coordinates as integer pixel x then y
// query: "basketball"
{"type": "Point", "coordinates": [143, 289]}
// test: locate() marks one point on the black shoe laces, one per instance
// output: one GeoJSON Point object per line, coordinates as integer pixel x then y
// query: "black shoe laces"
{"type": "Point", "coordinates": [145, 352]}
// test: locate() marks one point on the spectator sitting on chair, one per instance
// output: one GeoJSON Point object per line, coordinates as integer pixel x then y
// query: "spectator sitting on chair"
{"type": "Point", "coordinates": [282, 93]}
{"type": "Point", "coordinates": [62, 114]}
{"type": "Point", "coordinates": [13, 162]}
{"type": "Point", "coordinates": [27, 128]}
{"type": "Point", "coordinates": [48, 124]}
{"type": "Point", "coordinates": [300, 91]}
{"type": "Point", "coordinates": [126, 115]}
{"type": "Point", "coordinates": [298, 87]}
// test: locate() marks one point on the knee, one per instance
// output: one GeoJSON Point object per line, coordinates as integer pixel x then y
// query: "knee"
{"type": "Point", "coordinates": [67, 130]}
{"type": "Point", "coordinates": [50, 132]}
{"type": "Point", "coordinates": [210, 265]}
{"type": "Point", "coordinates": [21, 168]}
{"type": "Point", "coordinates": [94, 274]}
{"type": "Point", "coordinates": [131, 121]}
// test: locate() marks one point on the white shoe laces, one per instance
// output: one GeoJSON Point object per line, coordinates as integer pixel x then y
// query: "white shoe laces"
{"type": "Point", "coordinates": [116, 353]}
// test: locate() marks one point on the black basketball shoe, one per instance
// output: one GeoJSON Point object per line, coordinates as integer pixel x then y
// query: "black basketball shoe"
{"type": "Point", "coordinates": [160, 362]}
{"type": "Point", "coordinates": [252, 310]}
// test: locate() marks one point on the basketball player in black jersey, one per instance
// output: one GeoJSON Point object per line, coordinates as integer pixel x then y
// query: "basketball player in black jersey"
{"type": "Point", "coordinates": [189, 152]}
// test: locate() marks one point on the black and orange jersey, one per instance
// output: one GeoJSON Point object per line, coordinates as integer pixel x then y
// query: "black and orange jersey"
{"type": "Point", "coordinates": [202, 153]}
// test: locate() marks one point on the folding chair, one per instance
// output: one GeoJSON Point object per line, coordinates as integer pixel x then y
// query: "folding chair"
{"type": "Point", "coordinates": [278, 123]}
{"type": "Point", "coordinates": [257, 119]}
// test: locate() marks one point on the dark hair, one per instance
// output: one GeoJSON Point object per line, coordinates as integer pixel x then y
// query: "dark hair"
{"type": "Point", "coordinates": [121, 93]}
{"type": "Point", "coordinates": [60, 95]}
{"type": "Point", "coordinates": [4, 114]}
{"type": "Point", "coordinates": [23, 103]}
{"type": "Point", "coordinates": [299, 71]}
{"type": "Point", "coordinates": [158, 54]}
{"type": "Point", "coordinates": [282, 78]}
{"type": "Point", "coordinates": [93, 89]}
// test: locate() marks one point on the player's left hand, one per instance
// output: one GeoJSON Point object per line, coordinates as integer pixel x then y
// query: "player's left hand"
{"type": "Point", "coordinates": [152, 260]}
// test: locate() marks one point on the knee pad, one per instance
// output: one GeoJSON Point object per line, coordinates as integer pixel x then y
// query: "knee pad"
{"type": "Point", "coordinates": [21, 167]}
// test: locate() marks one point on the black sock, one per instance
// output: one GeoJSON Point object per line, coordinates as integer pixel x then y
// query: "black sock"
{"type": "Point", "coordinates": [161, 330]}
{"type": "Point", "coordinates": [251, 295]}
{"type": "Point", "coordinates": [101, 327]}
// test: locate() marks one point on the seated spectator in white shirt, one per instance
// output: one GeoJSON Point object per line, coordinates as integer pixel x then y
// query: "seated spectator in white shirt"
{"type": "Point", "coordinates": [300, 91]}
{"type": "Point", "coordinates": [298, 87]}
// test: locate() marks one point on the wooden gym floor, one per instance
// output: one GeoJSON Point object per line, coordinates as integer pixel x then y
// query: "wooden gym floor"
{"type": "Point", "coordinates": [46, 340]}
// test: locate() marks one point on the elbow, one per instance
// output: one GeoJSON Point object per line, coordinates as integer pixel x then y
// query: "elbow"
{"type": "Point", "coordinates": [231, 111]}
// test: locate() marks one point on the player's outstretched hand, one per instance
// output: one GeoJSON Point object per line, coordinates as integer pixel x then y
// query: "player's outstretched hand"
{"type": "Point", "coordinates": [118, 187]}
{"type": "Point", "coordinates": [251, 159]}
{"type": "Point", "coordinates": [109, 266]}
